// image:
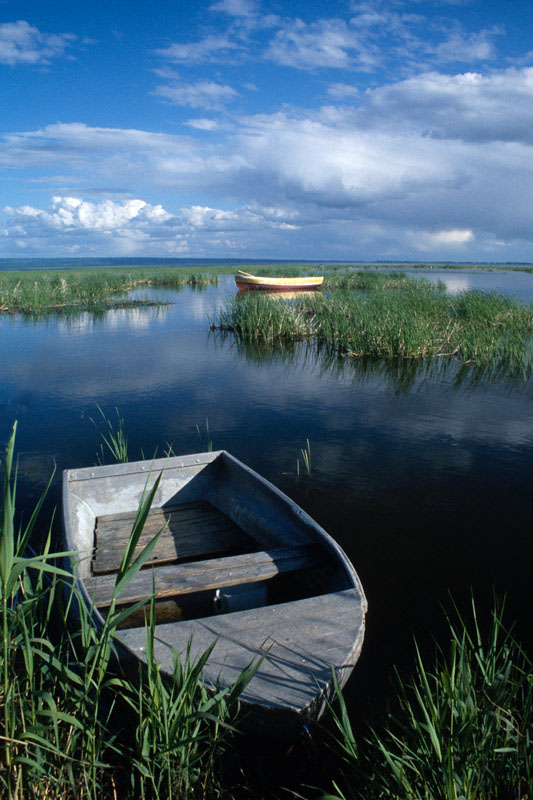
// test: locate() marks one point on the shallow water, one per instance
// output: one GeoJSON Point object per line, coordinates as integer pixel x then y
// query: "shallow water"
{"type": "Point", "coordinates": [424, 475]}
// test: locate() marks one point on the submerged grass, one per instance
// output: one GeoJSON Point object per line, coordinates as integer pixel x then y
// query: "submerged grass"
{"type": "Point", "coordinates": [61, 291]}
{"type": "Point", "coordinates": [365, 314]}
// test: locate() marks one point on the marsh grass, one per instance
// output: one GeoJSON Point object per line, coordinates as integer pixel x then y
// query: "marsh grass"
{"type": "Point", "coordinates": [305, 453]}
{"type": "Point", "coordinates": [72, 723]}
{"type": "Point", "coordinates": [38, 293]}
{"type": "Point", "coordinates": [463, 726]}
{"type": "Point", "coordinates": [373, 315]}
{"type": "Point", "coordinates": [114, 440]}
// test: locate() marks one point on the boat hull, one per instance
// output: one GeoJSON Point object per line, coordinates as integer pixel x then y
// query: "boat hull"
{"type": "Point", "coordinates": [300, 638]}
{"type": "Point", "coordinates": [252, 283]}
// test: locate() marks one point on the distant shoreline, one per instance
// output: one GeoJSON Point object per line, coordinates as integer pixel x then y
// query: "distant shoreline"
{"type": "Point", "coordinates": [228, 264]}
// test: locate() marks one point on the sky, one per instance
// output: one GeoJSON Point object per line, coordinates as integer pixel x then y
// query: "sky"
{"type": "Point", "coordinates": [341, 130]}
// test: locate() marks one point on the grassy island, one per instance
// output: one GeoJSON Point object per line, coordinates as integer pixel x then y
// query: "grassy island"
{"type": "Point", "coordinates": [65, 291]}
{"type": "Point", "coordinates": [367, 314]}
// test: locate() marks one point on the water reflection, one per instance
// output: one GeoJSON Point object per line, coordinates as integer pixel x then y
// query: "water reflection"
{"type": "Point", "coordinates": [421, 468]}
{"type": "Point", "coordinates": [401, 375]}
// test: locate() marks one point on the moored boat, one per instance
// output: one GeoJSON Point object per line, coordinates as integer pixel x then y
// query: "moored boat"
{"type": "Point", "coordinates": [238, 562]}
{"type": "Point", "coordinates": [245, 281]}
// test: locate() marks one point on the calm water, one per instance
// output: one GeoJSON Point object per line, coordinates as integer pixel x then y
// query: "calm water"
{"type": "Point", "coordinates": [425, 477]}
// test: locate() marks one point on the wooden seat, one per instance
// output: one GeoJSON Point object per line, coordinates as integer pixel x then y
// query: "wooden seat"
{"type": "Point", "coordinates": [198, 576]}
{"type": "Point", "coordinates": [192, 529]}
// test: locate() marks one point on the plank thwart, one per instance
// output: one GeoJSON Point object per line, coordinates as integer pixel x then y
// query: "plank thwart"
{"type": "Point", "coordinates": [211, 574]}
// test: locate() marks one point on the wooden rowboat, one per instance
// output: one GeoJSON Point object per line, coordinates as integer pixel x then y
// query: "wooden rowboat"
{"type": "Point", "coordinates": [246, 281]}
{"type": "Point", "coordinates": [238, 561]}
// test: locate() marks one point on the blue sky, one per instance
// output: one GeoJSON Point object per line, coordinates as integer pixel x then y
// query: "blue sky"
{"type": "Point", "coordinates": [349, 129]}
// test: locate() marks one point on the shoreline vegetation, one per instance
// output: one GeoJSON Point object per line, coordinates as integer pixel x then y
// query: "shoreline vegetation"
{"type": "Point", "coordinates": [73, 725]}
{"type": "Point", "coordinates": [389, 315]}
{"type": "Point", "coordinates": [67, 291]}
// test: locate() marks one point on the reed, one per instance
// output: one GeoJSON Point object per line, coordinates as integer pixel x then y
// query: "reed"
{"type": "Point", "coordinates": [38, 293]}
{"type": "Point", "coordinates": [463, 727]}
{"type": "Point", "coordinates": [114, 440]}
{"type": "Point", "coordinates": [206, 443]}
{"type": "Point", "coordinates": [72, 724]}
{"type": "Point", "coordinates": [306, 459]}
{"type": "Point", "coordinates": [372, 315]}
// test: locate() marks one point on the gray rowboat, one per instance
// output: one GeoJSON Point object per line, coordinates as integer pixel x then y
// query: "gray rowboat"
{"type": "Point", "coordinates": [237, 561]}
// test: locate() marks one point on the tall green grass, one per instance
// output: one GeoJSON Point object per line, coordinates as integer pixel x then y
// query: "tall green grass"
{"type": "Point", "coordinates": [372, 315]}
{"type": "Point", "coordinates": [72, 723]}
{"type": "Point", "coordinates": [463, 725]}
{"type": "Point", "coordinates": [63, 291]}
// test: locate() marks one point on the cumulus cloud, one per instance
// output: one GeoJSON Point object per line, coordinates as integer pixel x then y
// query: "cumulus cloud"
{"type": "Point", "coordinates": [435, 162]}
{"type": "Point", "coordinates": [22, 43]}
{"type": "Point", "coordinates": [469, 106]}
{"type": "Point", "coordinates": [121, 227]}
{"type": "Point", "coordinates": [201, 94]}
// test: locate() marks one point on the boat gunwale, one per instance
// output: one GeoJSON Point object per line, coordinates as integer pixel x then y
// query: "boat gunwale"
{"type": "Point", "coordinates": [312, 528]}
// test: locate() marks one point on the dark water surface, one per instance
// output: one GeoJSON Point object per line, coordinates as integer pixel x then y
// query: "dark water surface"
{"type": "Point", "coordinates": [423, 475]}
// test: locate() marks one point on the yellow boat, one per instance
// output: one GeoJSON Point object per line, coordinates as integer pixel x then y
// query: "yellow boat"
{"type": "Point", "coordinates": [246, 281]}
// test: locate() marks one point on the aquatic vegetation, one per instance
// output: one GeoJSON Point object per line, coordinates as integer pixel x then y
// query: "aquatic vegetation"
{"type": "Point", "coordinates": [206, 443]}
{"type": "Point", "coordinates": [39, 292]}
{"type": "Point", "coordinates": [115, 440]}
{"type": "Point", "coordinates": [72, 723]}
{"type": "Point", "coordinates": [306, 458]}
{"type": "Point", "coordinates": [364, 314]}
{"type": "Point", "coordinates": [462, 728]}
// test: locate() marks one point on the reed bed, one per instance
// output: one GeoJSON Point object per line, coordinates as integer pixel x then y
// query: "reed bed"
{"type": "Point", "coordinates": [73, 725]}
{"type": "Point", "coordinates": [462, 728]}
{"type": "Point", "coordinates": [371, 315]}
{"type": "Point", "coordinates": [62, 291]}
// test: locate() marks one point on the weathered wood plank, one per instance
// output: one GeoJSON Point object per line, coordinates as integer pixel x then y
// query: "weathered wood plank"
{"type": "Point", "coordinates": [192, 530]}
{"type": "Point", "coordinates": [199, 576]}
{"type": "Point", "coordinates": [299, 641]}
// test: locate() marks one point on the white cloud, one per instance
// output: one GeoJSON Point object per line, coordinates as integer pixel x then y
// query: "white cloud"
{"type": "Point", "coordinates": [326, 43]}
{"type": "Point", "coordinates": [203, 124]}
{"type": "Point", "coordinates": [468, 106]}
{"type": "Point", "coordinates": [341, 91]}
{"type": "Point", "coordinates": [72, 213]}
{"type": "Point", "coordinates": [122, 227]}
{"type": "Point", "coordinates": [236, 8]}
{"type": "Point", "coordinates": [22, 43]}
{"type": "Point", "coordinates": [202, 94]}
{"type": "Point", "coordinates": [438, 162]}
{"type": "Point", "coordinates": [211, 48]}
{"type": "Point", "coordinates": [455, 236]}
{"type": "Point", "coordinates": [461, 48]}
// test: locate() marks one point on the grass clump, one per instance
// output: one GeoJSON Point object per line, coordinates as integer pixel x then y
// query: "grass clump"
{"type": "Point", "coordinates": [370, 315]}
{"type": "Point", "coordinates": [73, 724]}
{"type": "Point", "coordinates": [463, 727]}
{"type": "Point", "coordinates": [75, 290]}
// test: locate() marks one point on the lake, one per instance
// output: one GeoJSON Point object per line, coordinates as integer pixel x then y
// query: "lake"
{"type": "Point", "coordinates": [422, 472]}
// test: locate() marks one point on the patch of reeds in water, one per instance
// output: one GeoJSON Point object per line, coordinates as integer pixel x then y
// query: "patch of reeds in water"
{"type": "Point", "coordinates": [365, 314]}
{"type": "Point", "coordinates": [462, 730]}
{"type": "Point", "coordinates": [39, 293]}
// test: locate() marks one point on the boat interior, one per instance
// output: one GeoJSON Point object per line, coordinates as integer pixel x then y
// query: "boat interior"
{"type": "Point", "coordinates": [228, 541]}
